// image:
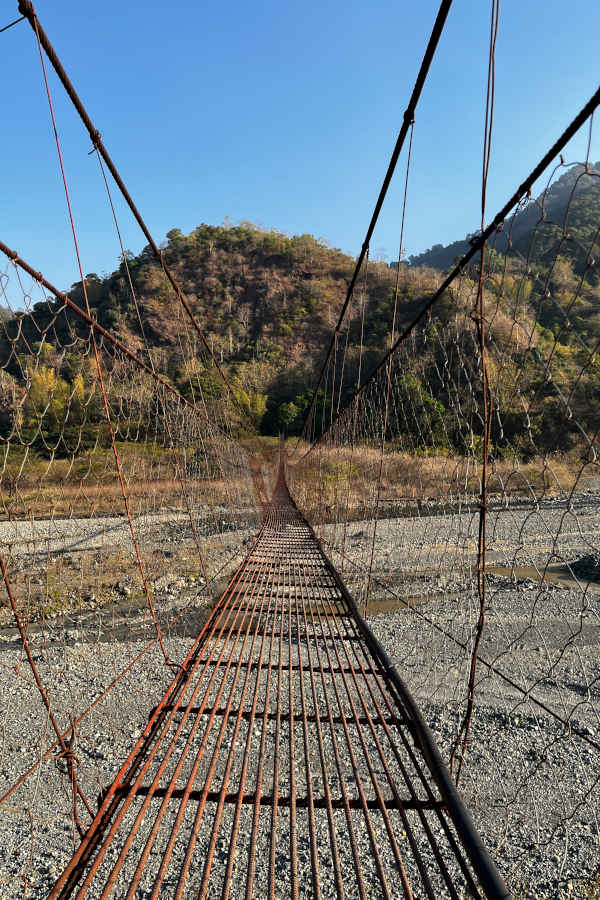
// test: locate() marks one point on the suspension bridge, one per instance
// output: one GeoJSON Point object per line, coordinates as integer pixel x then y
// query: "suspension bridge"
{"type": "Point", "coordinates": [289, 728]}
{"type": "Point", "coordinates": [232, 722]}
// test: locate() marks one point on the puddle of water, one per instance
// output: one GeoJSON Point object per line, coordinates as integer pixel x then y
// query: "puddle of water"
{"type": "Point", "coordinates": [557, 574]}
{"type": "Point", "coordinates": [378, 605]}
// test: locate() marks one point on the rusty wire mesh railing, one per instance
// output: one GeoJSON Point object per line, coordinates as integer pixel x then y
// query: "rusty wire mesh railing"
{"type": "Point", "coordinates": [126, 505]}
{"type": "Point", "coordinates": [455, 483]}
{"type": "Point", "coordinates": [130, 484]}
{"type": "Point", "coordinates": [455, 488]}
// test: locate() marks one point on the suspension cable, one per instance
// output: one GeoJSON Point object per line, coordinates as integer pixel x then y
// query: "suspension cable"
{"type": "Point", "coordinates": [10, 24]}
{"type": "Point", "coordinates": [476, 244]}
{"type": "Point", "coordinates": [407, 122]}
{"type": "Point", "coordinates": [27, 9]}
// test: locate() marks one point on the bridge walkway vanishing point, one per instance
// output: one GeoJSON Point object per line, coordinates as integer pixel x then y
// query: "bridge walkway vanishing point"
{"type": "Point", "coordinates": [286, 758]}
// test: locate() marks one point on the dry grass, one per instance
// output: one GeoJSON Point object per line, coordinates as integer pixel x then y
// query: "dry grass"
{"type": "Point", "coordinates": [88, 486]}
{"type": "Point", "coordinates": [91, 499]}
{"type": "Point", "coordinates": [50, 585]}
{"type": "Point", "coordinates": [333, 477]}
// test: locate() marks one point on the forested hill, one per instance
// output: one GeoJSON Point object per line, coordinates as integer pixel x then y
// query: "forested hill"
{"type": "Point", "coordinates": [573, 199]}
{"type": "Point", "coordinates": [267, 303]}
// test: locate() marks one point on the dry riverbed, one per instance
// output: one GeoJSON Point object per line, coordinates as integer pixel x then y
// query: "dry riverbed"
{"type": "Point", "coordinates": [531, 781]}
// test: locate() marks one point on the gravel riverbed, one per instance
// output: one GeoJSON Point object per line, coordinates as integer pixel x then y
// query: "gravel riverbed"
{"type": "Point", "coordinates": [531, 781]}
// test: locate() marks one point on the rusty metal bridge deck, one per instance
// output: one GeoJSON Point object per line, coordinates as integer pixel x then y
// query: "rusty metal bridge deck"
{"type": "Point", "coordinates": [286, 759]}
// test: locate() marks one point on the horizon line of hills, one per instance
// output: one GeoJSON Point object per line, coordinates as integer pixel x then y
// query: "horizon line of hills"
{"type": "Point", "coordinates": [268, 304]}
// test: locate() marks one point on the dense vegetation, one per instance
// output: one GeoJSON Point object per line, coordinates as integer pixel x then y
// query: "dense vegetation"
{"type": "Point", "coordinates": [267, 303]}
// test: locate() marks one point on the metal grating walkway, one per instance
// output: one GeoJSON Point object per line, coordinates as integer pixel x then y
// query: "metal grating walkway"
{"type": "Point", "coordinates": [286, 759]}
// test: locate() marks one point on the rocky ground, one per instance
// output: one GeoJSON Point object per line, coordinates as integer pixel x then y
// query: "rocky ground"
{"type": "Point", "coordinates": [84, 574]}
{"type": "Point", "coordinates": [531, 780]}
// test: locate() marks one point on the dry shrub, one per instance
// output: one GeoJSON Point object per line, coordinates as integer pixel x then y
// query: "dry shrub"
{"type": "Point", "coordinates": [344, 478]}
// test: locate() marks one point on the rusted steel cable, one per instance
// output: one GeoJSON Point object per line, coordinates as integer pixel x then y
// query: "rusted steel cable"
{"type": "Point", "coordinates": [28, 11]}
{"type": "Point", "coordinates": [124, 259]}
{"type": "Point", "coordinates": [407, 121]}
{"type": "Point", "coordinates": [66, 743]}
{"type": "Point", "coordinates": [461, 741]}
{"type": "Point", "coordinates": [93, 323]}
{"type": "Point", "coordinates": [384, 425]}
{"type": "Point", "coordinates": [581, 734]}
{"type": "Point", "coordinates": [102, 696]}
{"type": "Point", "coordinates": [476, 245]}
{"type": "Point", "coordinates": [105, 402]}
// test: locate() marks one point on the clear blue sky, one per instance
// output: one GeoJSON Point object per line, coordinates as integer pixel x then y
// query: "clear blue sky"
{"type": "Point", "coordinates": [281, 113]}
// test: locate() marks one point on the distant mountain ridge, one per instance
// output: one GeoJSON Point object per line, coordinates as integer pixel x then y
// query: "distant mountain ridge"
{"type": "Point", "coordinates": [576, 195]}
